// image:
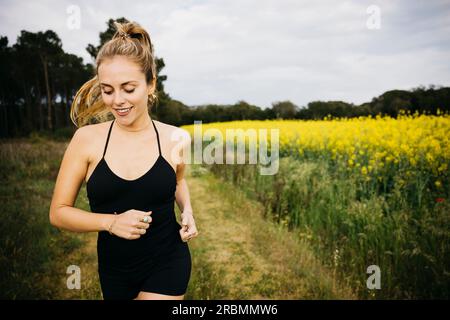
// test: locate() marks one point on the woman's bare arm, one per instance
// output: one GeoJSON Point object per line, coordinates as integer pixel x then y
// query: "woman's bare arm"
{"type": "Point", "coordinates": [71, 175]}
{"type": "Point", "coordinates": [188, 228]}
{"type": "Point", "coordinates": [182, 192]}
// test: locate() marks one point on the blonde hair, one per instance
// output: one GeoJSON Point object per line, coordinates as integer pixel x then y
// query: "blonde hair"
{"type": "Point", "coordinates": [129, 40]}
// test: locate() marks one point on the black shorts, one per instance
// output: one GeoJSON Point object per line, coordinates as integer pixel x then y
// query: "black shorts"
{"type": "Point", "coordinates": [169, 276]}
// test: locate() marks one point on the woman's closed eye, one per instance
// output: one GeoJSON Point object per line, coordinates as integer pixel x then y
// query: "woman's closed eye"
{"type": "Point", "coordinates": [110, 92]}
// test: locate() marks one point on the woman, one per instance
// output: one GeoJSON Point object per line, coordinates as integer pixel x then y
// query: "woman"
{"type": "Point", "coordinates": [131, 187]}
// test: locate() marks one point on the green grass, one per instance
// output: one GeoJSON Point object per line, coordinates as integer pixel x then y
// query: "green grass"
{"type": "Point", "coordinates": [28, 243]}
{"type": "Point", "coordinates": [351, 227]}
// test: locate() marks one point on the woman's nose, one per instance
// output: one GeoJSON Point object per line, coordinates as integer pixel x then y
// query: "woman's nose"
{"type": "Point", "coordinates": [118, 99]}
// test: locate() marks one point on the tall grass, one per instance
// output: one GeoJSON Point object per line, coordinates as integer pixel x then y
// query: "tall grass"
{"type": "Point", "coordinates": [352, 228]}
{"type": "Point", "coordinates": [29, 245]}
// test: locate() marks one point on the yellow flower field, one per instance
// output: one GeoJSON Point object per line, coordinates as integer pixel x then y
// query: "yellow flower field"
{"type": "Point", "coordinates": [369, 145]}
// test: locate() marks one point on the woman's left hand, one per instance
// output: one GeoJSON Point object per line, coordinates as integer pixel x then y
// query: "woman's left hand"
{"type": "Point", "coordinates": [188, 229]}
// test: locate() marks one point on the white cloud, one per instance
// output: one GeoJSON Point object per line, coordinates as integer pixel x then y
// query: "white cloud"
{"type": "Point", "coordinates": [266, 51]}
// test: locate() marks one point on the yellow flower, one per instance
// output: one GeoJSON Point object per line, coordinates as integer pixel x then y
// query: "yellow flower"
{"type": "Point", "coordinates": [442, 167]}
{"type": "Point", "coordinates": [364, 170]}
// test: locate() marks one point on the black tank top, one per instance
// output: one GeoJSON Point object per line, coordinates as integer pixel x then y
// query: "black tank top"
{"type": "Point", "coordinates": [155, 190]}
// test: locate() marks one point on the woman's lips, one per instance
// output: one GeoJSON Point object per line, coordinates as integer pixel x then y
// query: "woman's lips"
{"type": "Point", "coordinates": [125, 112]}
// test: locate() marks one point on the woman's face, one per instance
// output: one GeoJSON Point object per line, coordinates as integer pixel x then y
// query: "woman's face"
{"type": "Point", "coordinates": [124, 89]}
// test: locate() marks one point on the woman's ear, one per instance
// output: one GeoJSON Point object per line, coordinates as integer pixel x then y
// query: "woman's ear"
{"type": "Point", "coordinates": [151, 88]}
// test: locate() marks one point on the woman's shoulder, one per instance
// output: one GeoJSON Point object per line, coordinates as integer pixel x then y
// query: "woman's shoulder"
{"type": "Point", "coordinates": [90, 130]}
{"type": "Point", "coordinates": [172, 132]}
{"type": "Point", "coordinates": [88, 137]}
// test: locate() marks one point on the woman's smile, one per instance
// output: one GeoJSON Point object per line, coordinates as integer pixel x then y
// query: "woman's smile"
{"type": "Point", "coordinates": [123, 112]}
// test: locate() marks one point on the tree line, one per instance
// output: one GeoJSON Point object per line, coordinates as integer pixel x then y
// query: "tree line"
{"type": "Point", "coordinates": [38, 81]}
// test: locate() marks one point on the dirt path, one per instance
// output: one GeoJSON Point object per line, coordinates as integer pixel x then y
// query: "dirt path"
{"type": "Point", "coordinates": [237, 255]}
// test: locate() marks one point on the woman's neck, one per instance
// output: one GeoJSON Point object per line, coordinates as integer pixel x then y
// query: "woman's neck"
{"type": "Point", "coordinates": [137, 126]}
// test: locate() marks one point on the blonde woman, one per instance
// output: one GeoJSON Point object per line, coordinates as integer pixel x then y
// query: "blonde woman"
{"type": "Point", "coordinates": [132, 179]}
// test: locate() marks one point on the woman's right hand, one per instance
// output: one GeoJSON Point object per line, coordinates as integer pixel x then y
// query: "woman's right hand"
{"type": "Point", "coordinates": [130, 225]}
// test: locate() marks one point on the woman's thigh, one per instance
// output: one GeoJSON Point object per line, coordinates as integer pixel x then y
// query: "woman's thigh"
{"type": "Point", "coordinates": [143, 295]}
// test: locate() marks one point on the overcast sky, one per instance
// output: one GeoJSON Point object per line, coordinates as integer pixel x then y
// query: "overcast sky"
{"type": "Point", "coordinates": [265, 51]}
